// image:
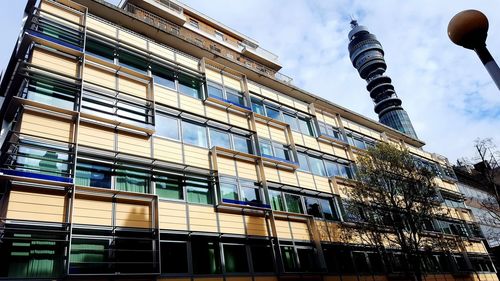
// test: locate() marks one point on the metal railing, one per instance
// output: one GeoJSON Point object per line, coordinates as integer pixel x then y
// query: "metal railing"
{"type": "Point", "coordinates": [172, 6]}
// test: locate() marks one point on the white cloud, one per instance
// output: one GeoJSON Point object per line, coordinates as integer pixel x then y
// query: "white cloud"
{"type": "Point", "coordinates": [448, 94]}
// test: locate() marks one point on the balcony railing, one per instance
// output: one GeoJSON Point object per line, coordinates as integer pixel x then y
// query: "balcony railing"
{"type": "Point", "coordinates": [210, 45]}
{"type": "Point", "coordinates": [172, 6]}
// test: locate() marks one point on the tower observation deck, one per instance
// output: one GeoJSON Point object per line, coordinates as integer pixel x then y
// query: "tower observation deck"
{"type": "Point", "coordinates": [367, 56]}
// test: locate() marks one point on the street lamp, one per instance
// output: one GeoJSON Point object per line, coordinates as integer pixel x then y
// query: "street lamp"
{"type": "Point", "coordinates": [469, 29]}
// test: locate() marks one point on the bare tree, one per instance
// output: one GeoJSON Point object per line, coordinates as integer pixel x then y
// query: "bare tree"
{"type": "Point", "coordinates": [487, 155]}
{"type": "Point", "coordinates": [393, 203]}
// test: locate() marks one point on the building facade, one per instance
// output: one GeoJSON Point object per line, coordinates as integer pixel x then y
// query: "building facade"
{"type": "Point", "coordinates": [151, 142]}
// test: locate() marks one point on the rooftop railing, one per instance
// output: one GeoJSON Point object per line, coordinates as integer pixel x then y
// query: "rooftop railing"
{"type": "Point", "coordinates": [172, 6]}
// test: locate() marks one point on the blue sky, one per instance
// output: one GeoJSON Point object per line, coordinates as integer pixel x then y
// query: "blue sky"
{"type": "Point", "coordinates": [448, 94]}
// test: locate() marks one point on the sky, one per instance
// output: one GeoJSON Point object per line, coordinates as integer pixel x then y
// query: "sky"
{"type": "Point", "coordinates": [445, 89]}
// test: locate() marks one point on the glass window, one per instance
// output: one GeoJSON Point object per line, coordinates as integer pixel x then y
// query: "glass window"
{"type": "Point", "coordinates": [132, 181]}
{"type": "Point", "coordinates": [345, 171]}
{"type": "Point", "coordinates": [219, 138]}
{"type": "Point", "coordinates": [332, 168]}
{"type": "Point", "coordinates": [206, 256]}
{"type": "Point", "coordinates": [189, 86]}
{"type": "Point", "coordinates": [229, 191]}
{"type": "Point", "coordinates": [250, 193]}
{"type": "Point", "coordinates": [289, 259]}
{"type": "Point", "coordinates": [100, 50]}
{"type": "Point", "coordinates": [257, 106]}
{"type": "Point", "coordinates": [262, 258]}
{"type": "Point", "coordinates": [265, 147]}
{"type": "Point", "coordinates": [215, 91]}
{"type": "Point", "coordinates": [169, 187]}
{"type": "Point", "coordinates": [273, 112]}
{"type": "Point", "coordinates": [306, 126]}
{"type": "Point", "coordinates": [174, 257]}
{"type": "Point", "coordinates": [194, 23]}
{"type": "Point", "coordinates": [308, 259]}
{"type": "Point", "coordinates": [291, 120]}
{"type": "Point", "coordinates": [317, 166]}
{"type": "Point", "coordinates": [33, 157]}
{"type": "Point", "coordinates": [304, 165]}
{"type": "Point", "coordinates": [198, 192]}
{"type": "Point", "coordinates": [361, 262]}
{"type": "Point", "coordinates": [313, 207]}
{"type": "Point", "coordinates": [282, 152]}
{"type": "Point", "coordinates": [293, 203]}
{"type": "Point", "coordinates": [242, 144]}
{"type": "Point", "coordinates": [235, 97]}
{"type": "Point", "coordinates": [276, 200]}
{"type": "Point", "coordinates": [167, 126]}
{"type": "Point", "coordinates": [48, 92]}
{"type": "Point", "coordinates": [194, 134]}
{"type": "Point", "coordinates": [327, 209]}
{"type": "Point", "coordinates": [235, 258]}
{"type": "Point", "coordinates": [94, 175]}
{"type": "Point", "coordinates": [132, 61]}
{"type": "Point", "coordinates": [163, 76]}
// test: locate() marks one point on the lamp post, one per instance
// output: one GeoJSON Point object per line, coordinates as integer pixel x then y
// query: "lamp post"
{"type": "Point", "coordinates": [469, 29]}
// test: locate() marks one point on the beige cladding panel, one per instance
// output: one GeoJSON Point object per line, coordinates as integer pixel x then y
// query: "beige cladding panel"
{"type": "Point", "coordinates": [96, 136]}
{"type": "Point", "coordinates": [288, 177]}
{"type": "Point", "coordinates": [213, 75]}
{"type": "Point", "coordinates": [232, 83]}
{"type": "Point", "coordinates": [52, 128]}
{"type": "Point", "coordinates": [191, 104]}
{"type": "Point", "coordinates": [311, 142]}
{"type": "Point", "coordinates": [132, 87]}
{"type": "Point", "coordinates": [271, 174]}
{"type": "Point", "coordinates": [161, 51]}
{"type": "Point", "coordinates": [253, 88]}
{"type": "Point", "coordinates": [54, 62]}
{"type": "Point", "coordinates": [340, 151]}
{"type": "Point", "coordinates": [216, 113]}
{"type": "Point", "coordinates": [187, 61]}
{"type": "Point", "coordinates": [278, 134]}
{"type": "Point", "coordinates": [36, 207]}
{"type": "Point", "coordinates": [325, 147]}
{"type": "Point", "coordinates": [133, 215]}
{"type": "Point", "coordinates": [247, 170]}
{"type": "Point", "coordinates": [262, 130]}
{"type": "Point", "coordinates": [172, 215]}
{"type": "Point", "coordinates": [134, 144]}
{"type": "Point", "coordinates": [107, 29]}
{"type": "Point", "coordinates": [283, 229]}
{"type": "Point", "coordinates": [475, 247]}
{"type": "Point", "coordinates": [331, 121]}
{"type": "Point", "coordinates": [202, 218]}
{"type": "Point", "coordinates": [132, 39]}
{"type": "Point", "coordinates": [306, 180]}
{"type": "Point", "coordinates": [196, 156]}
{"type": "Point", "coordinates": [297, 138]}
{"type": "Point", "coordinates": [226, 166]}
{"type": "Point", "coordinates": [231, 223]}
{"type": "Point", "coordinates": [322, 184]}
{"type": "Point", "coordinates": [265, 278]}
{"type": "Point", "coordinates": [60, 12]}
{"type": "Point", "coordinates": [93, 212]}
{"type": "Point", "coordinates": [301, 106]}
{"type": "Point", "coordinates": [286, 100]}
{"type": "Point", "coordinates": [269, 94]}
{"type": "Point", "coordinates": [256, 226]}
{"type": "Point", "coordinates": [241, 278]}
{"type": "Point", "coordinates": [300, 230]}
{"type": "Point", "coordinates": [239, 120]}
{"type": "Point", "coordinates": [167, 150]}
{"type": "Point", "coordinates": [99, 76]}
{"type": "Point", "coordinates": [166, 96]}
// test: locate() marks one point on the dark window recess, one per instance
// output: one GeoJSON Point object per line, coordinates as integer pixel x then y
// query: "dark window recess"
{"type": "Point", "coordinates": [163, 76]}
{"type": "Point", "coordinates": [206, 256]}
{"type": "Point", "coordinates": [235, 258]}
{"type": "Point", "coordinates": [308, 260]}
{"type": "Point", "coordinates": [100, 50]}
{"type": "Point", "coordinates": [131, 61]}
{"type": "Point", "coordinates": [174, 257]}
{"type": "Point", "coordinates": [262, 258]}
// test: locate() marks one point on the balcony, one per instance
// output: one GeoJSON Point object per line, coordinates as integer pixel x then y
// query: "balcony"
{"type": "Point", "coordinates": [164, 8]}
{"type": "Point", "coordinates": [265, 63]}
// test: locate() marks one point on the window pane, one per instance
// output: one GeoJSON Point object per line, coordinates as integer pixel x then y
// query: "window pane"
{"type": "Point", "coordinates": [100, 50]}
{"type": "Point", "coordinates": [189, 86]}
{"type": "Point", "coordinates": [218, 138]}
{"type": "Point", "coordinates": [89, 256]}
{"type": "Point", "coordinates": [262, 259]}
{"type": "Point", "coordinates": [169, 187]}
{"type": "Point", "coordinates": [167, 126]}
{"type": "Point", "coordinates": [332, 169]}
{"type": "Point", "coordinates": [133, 62]}
{"type": "Point", "coordinates": [306, 126]}
{"type": "Point", "coordinates": [242, 144]}
{"type": "Point", "coordinates": [276, 200]}
{"type": "Point", "coordinates": [198, 192]}
{"type": "Point", "coordinates": [235, 97]}
{"type": "Point", "coordinates": [317, 167]}
{"type": "Point", "coordinates": [361, 262]}
{"type": "Point", "coordinates": [312, 206]}
{"type": "Point", "coordinates": [304, 165]}
{"type": "Point", "coordinates": [273, 113]}
{"type": "Point", "coordinates": [293, 203]}
{"type": "Point", "coordinates": [257, 106]}
{"type": "Point", "coordinates": [250, 194]}
{"type": "Point", "coordinates": [289, 259]}
{"type": "Point", "coordinates": [326, 208]}
{"type": "Point", "coordinates": [292, 121]}
{"type": "Point", "coordinates": [265, 148]}
{"type": "Point", "coordinates": [229, 191]}
{"type": "Point", "coordinates": [206, 256]}
{"type": "Point", "coordinates": [235, 258]}
{"type": "Point", "coordinates": [215, 91]}
{"type": "Point", "coordinates": [174, 257]}
{"type": "Point", "coordinates": [282, 152]}
{"type": "Point", "coordinates": [93, 175]}
{"type": "Point", "coordinates": [194, 134]}
{"type": "Point", "coordinates": [127, 180]}
{"type": "Point", "coordinates": [48, 93]}
{"type": "Point", "coordinates": [163, 76]}
{"type": "Point", "coordinates": [307, 259]}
